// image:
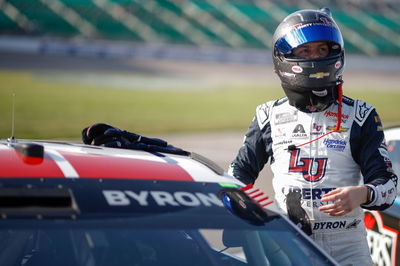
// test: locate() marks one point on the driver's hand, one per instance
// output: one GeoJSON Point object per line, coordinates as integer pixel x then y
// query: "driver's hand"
{"type": "Point", "coordinates": [345, 199]}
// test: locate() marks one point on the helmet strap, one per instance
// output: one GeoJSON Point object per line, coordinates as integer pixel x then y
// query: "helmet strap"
{"type": "Point", "coordinates": [340, 100]}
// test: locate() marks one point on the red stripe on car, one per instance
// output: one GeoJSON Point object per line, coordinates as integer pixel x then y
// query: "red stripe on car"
{"type": "Point", "coordinates": [13, 164]}
{"type": "Point", "coordinates": [102, 166]}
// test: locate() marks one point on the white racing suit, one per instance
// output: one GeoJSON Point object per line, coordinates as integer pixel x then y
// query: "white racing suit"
{"type": "Point", "coordinates": [302, 175]}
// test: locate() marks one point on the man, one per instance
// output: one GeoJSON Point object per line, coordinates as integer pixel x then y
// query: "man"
{"type": "Point", "coordinates": [318, 142]}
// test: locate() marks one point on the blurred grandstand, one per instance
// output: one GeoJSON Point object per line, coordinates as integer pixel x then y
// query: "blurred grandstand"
{"type": "Point", "coordinates": [369, 27]}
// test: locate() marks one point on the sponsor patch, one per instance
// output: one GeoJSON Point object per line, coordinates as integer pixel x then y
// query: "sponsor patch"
{"type": "Point", "coordinates": [317, 127]}
{"type": "Point", "coordinates": [319, 75]}
{"type": "Point", "coordinates": [278, 133]}
{"type": "Point", "coordinates": [300, 26]}
{"type": "Point", "coordinates": [286, 74]}
{"type": "Point", "coordinates": [283, 142]}
{"type": "Point", "coordinates": [335, 144]}
{"type": "Point", "coordinates": [333, 116]}
{"type": "Point", "coordinates": [317, 130]}
{"type": "Point", "coordinates": [338, 64]}
{"type": "Point", "coordinates": [286, 117]}
{"type": "Point", "coordinates": [312, 169]}
{"type": "Point", "coordinates": [341, 129]}
{"type": "Point", "coordinates": [362, 111]}
{"type": "Point", "coordinates": [322, 93]}
{"type": "Point", "coordinates": [378, 123]}
{"type": "Point", "coordinates": [299, 132]}
{"type": "Point", "coordinates": [297, 69]}
{"type": "Point", "coordinates": [383, 150]}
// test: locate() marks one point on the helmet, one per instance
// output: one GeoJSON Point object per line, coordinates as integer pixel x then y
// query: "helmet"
{"type": "Point", "coordinates": [309, 83]}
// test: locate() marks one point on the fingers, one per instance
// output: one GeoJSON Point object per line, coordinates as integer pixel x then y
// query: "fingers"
{"type": "Point", "coordinates": [337, 208]}
{"type": "Point", "coordinates": [342, 202]}
{"type": "Point", "coordinates": [333, 195]}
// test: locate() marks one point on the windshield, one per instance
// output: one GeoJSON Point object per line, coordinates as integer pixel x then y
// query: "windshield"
{"type": "Point", "coordinates": [124, 242]}
{"type": "Point", "coordinates": [85, 222]}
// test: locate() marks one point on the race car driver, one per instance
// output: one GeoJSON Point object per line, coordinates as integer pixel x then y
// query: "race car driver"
{"type": "Point", "coordinates": [318, 141]}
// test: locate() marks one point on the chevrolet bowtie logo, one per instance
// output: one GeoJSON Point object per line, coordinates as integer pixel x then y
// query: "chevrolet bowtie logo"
{"type": "Point", "coordinates": [342, 129]}
{"type": "Point", "coordinates": [319, 75]}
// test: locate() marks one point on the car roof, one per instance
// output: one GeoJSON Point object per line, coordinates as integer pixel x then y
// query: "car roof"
{"type": "Point", "coordinates": [73, 160]}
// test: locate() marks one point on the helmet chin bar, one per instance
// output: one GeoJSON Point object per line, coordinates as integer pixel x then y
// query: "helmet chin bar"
{"type": "Point", "coordinates": [338, 121]}
{"type": "Point", "coordinates": [305, 100]}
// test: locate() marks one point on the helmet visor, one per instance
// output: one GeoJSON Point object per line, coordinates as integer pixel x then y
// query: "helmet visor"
{"type": "Point", "coordinates": [308, 33]}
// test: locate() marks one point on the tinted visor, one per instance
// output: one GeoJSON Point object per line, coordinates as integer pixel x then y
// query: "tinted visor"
{"type": "Point", "coordinates": [309, 33]}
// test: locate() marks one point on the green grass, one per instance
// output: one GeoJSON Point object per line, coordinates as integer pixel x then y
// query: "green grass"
{"type": "Point", "coordinates": [56, 110]}
{"type": "Point", "coordinates": [48, 109]}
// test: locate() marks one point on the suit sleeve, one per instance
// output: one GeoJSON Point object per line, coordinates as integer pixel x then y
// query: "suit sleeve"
{"type": "Point", "coordinates": [254, 153]}
{"type": "Point", "coordinates": [370, 152]}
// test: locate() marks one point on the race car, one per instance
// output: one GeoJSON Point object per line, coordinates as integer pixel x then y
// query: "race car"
{"type": "Point", "coordinates": [383, 227]}
{"type": "Point", "coordinates": [75, 204]}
